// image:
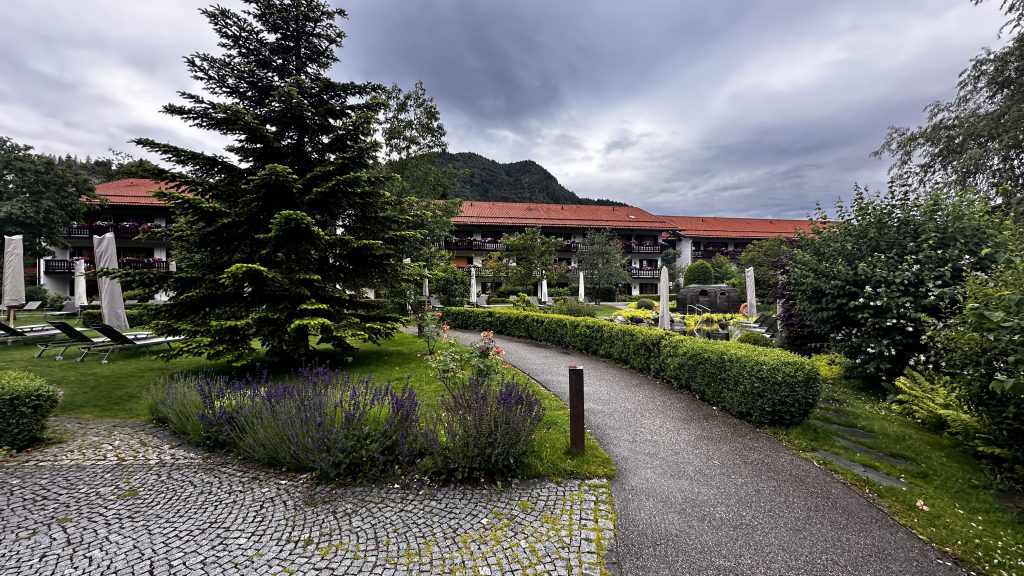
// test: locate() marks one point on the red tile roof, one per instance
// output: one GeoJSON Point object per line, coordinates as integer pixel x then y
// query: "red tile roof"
{"type": "Point", "coordinates": [131, 192]}
{"type": "Point", "coordinates": [558, 216]}
{"type": "Point", "coordinates": [717, 227]}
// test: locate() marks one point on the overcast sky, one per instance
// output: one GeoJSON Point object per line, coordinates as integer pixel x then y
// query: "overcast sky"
{"type": "Point", "coordinates": [730, 108]}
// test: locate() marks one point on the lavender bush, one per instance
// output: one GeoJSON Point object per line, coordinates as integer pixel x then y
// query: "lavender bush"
{"type": "Point", "coordinates": [484, 430]}
{"type": "Point", "coordinates": [321, 421]}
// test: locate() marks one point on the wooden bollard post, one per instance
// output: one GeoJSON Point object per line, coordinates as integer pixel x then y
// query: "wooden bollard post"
{"type": "Point", "coordinates": [577, 437]}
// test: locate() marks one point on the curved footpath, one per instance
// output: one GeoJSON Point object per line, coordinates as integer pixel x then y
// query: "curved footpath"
{"type": "Point", "coordinates": [701, 492]}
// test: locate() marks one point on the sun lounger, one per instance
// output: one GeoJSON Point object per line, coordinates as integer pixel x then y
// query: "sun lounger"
{"type": "Point", "coordinates": [119, 340]}
{"type": "Point", "coordinates": [9, 334]}
{"type": "Point", "coordinates": [68, 309]}
{"type": "Point", "coordinates": [435, 303]}
{"type": "Point", "coordinates": [29, 306]}
{"type": "Point", "coordinates": [71, 336]}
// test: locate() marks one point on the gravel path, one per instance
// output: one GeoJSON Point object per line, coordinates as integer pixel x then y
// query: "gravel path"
{"type": "Point", "coordinates": [126, 498]}
{"type": "Point", "coordinates": [700, 492]}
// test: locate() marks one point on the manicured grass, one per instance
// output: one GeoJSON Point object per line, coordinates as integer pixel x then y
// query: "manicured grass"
{"type": "Point", "coordinates": [964, 516]}
{"type": "Point", "coordinates": [94, 390]}
{"type": "Point", "coordinates": [605, 311]}
{"type": "Point", "coordinates": [119, 390]}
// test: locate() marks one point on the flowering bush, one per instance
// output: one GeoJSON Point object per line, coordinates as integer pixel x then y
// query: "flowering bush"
{"type": "Point", "coordinates": [484, 431]}
{"type": "Point", "coordinates": [321, 420]}
{"type": "Point", "coordinates": [883, 272]}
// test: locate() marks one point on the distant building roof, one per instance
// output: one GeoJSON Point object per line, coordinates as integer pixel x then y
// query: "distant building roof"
{"type": "Point", "coordinates": [558, 216]}
{"type": "Point", "coordinates": [131, 192]}
{"type": "Point", "coordinates": [718, 227]}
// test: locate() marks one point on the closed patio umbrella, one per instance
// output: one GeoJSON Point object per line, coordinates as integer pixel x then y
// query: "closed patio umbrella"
{"type": "Point", "coordinates": [14, 274]}
{"type": "Point", "coordinates": [582, 299]}
{"type": "Point", "coordinates": [81, 299]}
{"type": "Point", "coordinates": [426, 287]}
{"type": "Point", "coordinates": [664, 320]}
{"type": "Point", "coordinates": [751, 293]}
{"type": "Point", "coordinates": [543, 290]}
{"type": "Point", "coordinates": [111, 301]}
{"type": "Point", "coordinates": [472, 285]}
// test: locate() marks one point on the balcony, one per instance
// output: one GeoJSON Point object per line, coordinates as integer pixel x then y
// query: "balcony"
{"type": "Point", "coordinates": [487, 244]}
{"type": "Point", "coordinates": [644, 247]}
{"type": "Point", "coordinates": [67, 266]}
{"type": "Point", "coordinates": [710, 253]}
{"type": "Point", "coordinates": [122, 230]}
{"type": "Point", "coordinates": [645, 273]}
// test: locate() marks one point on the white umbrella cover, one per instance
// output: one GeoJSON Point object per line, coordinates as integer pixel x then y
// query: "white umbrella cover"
{"type": "Point", "coordinates": [472, 285]}
{"type": "Point", "coordinates": [81, 299]}
{"type": "Point", "coordinates": [543, 290]}
{"type": "Point", "coordinates": [426, 287]}
{"type": "Point", "coordinates": [581, 287]}
{"type": "Point", "coordinates": [14, 271]}
{"type": "Point", "coordinates": [111, 301]}
{"type": "Point", "coordinates": [751, 293]}
{"type": "Point", "coordinates": [664, 320]}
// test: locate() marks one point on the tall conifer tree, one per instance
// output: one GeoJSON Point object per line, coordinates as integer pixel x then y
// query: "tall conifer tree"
{"type": "Point", "coordinates": [275, 241]}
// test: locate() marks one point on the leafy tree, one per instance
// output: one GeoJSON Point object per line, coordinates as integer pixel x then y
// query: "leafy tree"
{"type": "Point", "coordinates": [670, 259]}
{"type": "Point", "coordinates": [885, 270]}
{"type": "Point", "coordinates": [976, 139]}
{"type": "Point", "coordinates": [528, 256]}
{"type": "Point", "coordinates": [722, 268]}
{"type": "Point", "coordinates": [38, 197]}
{"type": "Point", "coordinates": [699, 272]}
{"type": "Point", "coordinates": [275, 243]}
{"type": "Point", "coordinates": [412, 136]}
{"type": "Point", "coordinates": [450, 284]}
{"type": "Point", "coordinates": [603, 263]}
{"type": "Point", "coordinates": [765, 257]}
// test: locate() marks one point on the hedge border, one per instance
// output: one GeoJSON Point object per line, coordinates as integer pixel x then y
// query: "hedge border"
{"type": "Point", "coordinates": [764, 386]}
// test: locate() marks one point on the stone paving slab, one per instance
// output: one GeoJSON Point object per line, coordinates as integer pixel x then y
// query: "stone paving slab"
{"type": "Point", "coordinates": [880, 456]}
{"type": "Point", "coordinates": [869, 473]}
{"type": "Point", "coordinates": [127, 498]}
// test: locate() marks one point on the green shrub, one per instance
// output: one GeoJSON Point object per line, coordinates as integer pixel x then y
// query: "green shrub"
{"type": "Point", "coordinates": [755, 339]}
{"type": "Point", "coordinates": [509, 291]}
{"type": "Point", "coordinates": [571, 307]}
{"type": "Point", "coordinates": [26, 401]}
{"type": "Point", "coordinates": [559, 292]}
{"type": "Point", "coordinates": [450, 285]}
{"type": "Point", "coordinates": [49, 299]}
{"type": "Point", "coordinates": [700, 272]}
{"type": "Point", "coordinates": [645, 304]}
{"type": "Point", "coordinates": [765, 386]}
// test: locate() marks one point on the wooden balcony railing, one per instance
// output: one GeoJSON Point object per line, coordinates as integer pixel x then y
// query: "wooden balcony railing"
{"type": "Point", "coordinates": [645, 272]}
{"type": "Point", "coordinates": [123, 230]}
{"type": "Point", "coordinates": [473, 244]}
{"type": "Point", "coordinates": [67, 266]}
{"type": "Point", "coordinates": [710, 252]}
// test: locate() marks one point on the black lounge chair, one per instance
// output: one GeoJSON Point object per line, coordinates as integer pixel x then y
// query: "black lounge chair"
{"type": "Point", "coordinates": [72, 336]}
{"type": "Point", "coordinates": [118, 340]}
{"type": "Point", "coordinates": [10, 334]}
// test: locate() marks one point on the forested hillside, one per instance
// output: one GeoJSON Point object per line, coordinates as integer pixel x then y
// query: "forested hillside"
{"type": "Point", "coordinates": [525, 181]}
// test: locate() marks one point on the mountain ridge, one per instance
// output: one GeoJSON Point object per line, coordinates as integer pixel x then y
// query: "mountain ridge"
{"type": "Point", "coordinates": [487, 180]}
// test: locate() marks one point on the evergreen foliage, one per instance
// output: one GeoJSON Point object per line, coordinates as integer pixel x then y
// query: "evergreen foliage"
{"type": "Point", "coordinates": [276, 242]}
{"type": "Point", "coordinates": [528, 256]}
{"type": "Point", "coordinates": [699, 272]}
{"type": "Point", "coordinates": [723, 270]}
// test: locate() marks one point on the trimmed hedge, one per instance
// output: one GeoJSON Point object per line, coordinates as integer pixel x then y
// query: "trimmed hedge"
{"type": "Point", "coordinates": [755, 339]}
{"type": "Point", "coordinates": [764, 386]}
{"type": "Point", "coordinates": [26, 401]}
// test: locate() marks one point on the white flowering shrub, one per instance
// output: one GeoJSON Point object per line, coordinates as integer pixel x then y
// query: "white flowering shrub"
{"type": "Point", "coordinates": [875, 279]}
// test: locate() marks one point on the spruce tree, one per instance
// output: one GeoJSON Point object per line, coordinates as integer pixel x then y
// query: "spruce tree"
{"type": "Point", "coordinates": [276, 241]}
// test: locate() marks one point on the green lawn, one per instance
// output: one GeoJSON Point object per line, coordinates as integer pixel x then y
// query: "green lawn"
{"type": "Point", "coordinates": [964, 515]}
{"type": "Point", "coordinates": [119, 390]}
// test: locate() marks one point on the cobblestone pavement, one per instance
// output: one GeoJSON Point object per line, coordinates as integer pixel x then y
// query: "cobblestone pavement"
{"type": "Point", "coordinates": [126, 498]}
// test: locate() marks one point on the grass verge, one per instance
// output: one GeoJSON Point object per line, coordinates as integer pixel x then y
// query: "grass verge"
{"type": "Point", "coordinates": [949, 501]}
{"type": "Point", "coordinates": [119, 390]}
